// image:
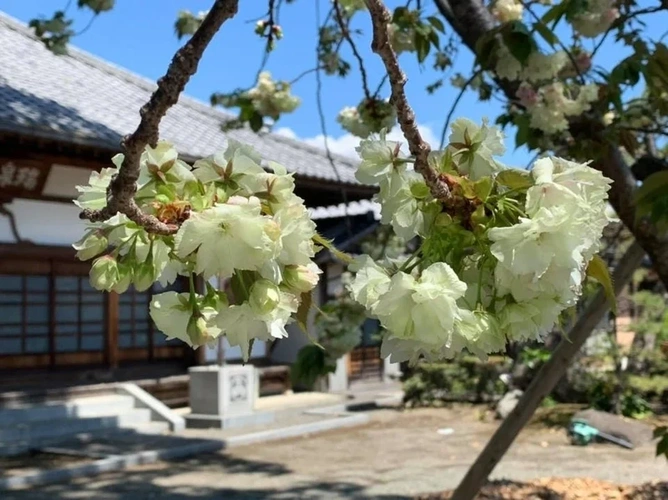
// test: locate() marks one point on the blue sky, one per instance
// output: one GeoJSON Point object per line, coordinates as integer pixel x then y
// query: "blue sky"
{"type": "Point", "coordinates": [139, 36]}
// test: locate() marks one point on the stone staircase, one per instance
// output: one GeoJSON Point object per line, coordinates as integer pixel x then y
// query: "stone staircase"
{"type": "Point", "coordinates": [32, 426]}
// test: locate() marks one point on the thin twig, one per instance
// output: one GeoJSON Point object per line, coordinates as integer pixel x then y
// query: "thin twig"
{"type": "Point", "coordinates": [271, 22]}
{"type": "Point", "coordinates": [418, 147]}
{"type": "Point", "coordinates": [454, 106]}
{"type": "Point", "coordinates": [380, 86]}
{"type": "Point", "coordinates": [345, 32]}
{"type": "Point", "coordinates": [323, 124]}
{"type": "Point", "coordinates": [303, 74]}
{"type": "Point", "coordinates": [120, 195]}
{"type": "Point", "coordinates": [90, 23]}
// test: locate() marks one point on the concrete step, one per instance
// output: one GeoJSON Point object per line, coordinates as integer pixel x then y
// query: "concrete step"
{"type": "Point", "coordinates": [149, 427]}
{"type": "Point", "coordinates": [48, 429]}
{"type": "Point", "coordinates": [97, 406]}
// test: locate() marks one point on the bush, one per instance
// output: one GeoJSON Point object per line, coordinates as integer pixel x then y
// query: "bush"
{"type": "Point", "coordinates": [465, 380]}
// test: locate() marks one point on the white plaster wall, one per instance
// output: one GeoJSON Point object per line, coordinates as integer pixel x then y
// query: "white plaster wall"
{"type": "Point", "coordinates": [234, 353]}
{"type": "Point", "coordinates": [45, 223]}
{"type": "Point", "coordinates": [285, 351]}
{"type": "Point", "coordinates": [49, 223]}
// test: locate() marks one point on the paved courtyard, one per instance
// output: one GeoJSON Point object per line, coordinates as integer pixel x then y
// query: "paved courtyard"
{"type": "Point", "coordinates": [397, 455]}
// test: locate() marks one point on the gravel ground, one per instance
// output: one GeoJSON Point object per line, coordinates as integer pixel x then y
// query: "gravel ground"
{"type": "Point", "coordinates": [565, 489]}
{"type": "Point", "coordinates": [398, 455]}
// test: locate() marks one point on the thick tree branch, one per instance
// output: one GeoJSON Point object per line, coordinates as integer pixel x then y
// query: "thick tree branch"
{"type": "Point", "coordinates": [545, 380]}
{"type": "Point", "coordinates": [418, 147]}
{"type": "Point", "coordinates": [184, 64]}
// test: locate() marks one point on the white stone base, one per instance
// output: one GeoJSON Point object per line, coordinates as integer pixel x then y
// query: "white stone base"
{"type": "Point", "coordinates": [391, 371]}
{"type": "Point", "coordinates": [198, 421]}
{"type": "Point", "coordinates": [223, 397]}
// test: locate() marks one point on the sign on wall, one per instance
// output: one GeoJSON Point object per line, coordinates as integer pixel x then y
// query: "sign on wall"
{"type": "Point", "coordinates": [22, 178]}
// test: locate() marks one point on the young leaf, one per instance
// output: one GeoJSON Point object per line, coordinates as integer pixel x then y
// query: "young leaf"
{"type": "Point", "coordinates": [436, 23]}
{"type": "Point", "coordinates": [303, 310]}
{"type": "Point", "coordinates": [518, 39]}
{"type": "Point", "coordinates": [598, 270]}
{"type": "Point", "coordinates": [329, 245]}
{"type": "Point", "coordinates": [515, 178]}
{"type": "Point", "coordinates": [422, 46]}
{"type": "Point", "coordinates": [546, 33]}
{"type": "Point", "coordinates": [483, 187]}
{"type": "Point", "coordinates": [555, 14]}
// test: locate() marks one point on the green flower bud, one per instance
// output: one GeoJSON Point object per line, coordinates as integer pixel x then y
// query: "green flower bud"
{"type": "Point", "coordinates": [199, 332]}
{"type": "Point", "coordinates": [300, 279]}
{"type": "Point", "coordinates": [125, 273]}
{"type": "Point", "coordinates": [93, 243]}
{"type": "Point", "coordinates": [264, 297]}
{"type": "Point", "coordinates": [104, 273]}
{"type": "Point", "coordinates": [144, 276]}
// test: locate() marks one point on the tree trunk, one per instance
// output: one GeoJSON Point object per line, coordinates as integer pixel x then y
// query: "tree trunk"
{"type": "Point", "coordinates": [545, 380]}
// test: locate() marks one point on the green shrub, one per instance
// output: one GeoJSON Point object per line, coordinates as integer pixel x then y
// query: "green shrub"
{"type": "Point", "coordinates": [466, 379]}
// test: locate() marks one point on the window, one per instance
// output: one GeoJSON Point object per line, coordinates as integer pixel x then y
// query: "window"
{"type": "Point", "coordinates": [52, 309]}
{"type": "Point", "coordinates": [28, 309]}
{"type": "Point", "coordinates": [79, 312]}
{"type": "Point", "coordinates": [135, 326]}
{"type": "Point", "coordinates": [24, 314]}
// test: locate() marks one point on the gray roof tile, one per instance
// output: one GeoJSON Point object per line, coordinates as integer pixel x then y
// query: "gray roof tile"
{"type": "Point", "coordinates": [82, 99]}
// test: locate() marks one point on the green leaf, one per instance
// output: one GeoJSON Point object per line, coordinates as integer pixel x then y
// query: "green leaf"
{"type": "Point", "coordinates": [422, 46]}
{"type": "Point", "coordinates": [311, 363]}
{"type": "Point", "coordinates": [555, 13]}
{"type": "Point", "coordinates": [523, 134]}
{"type": "Point", "coordinates": [433, 38]}
{"type": "Point", "coordinates": [515, 178]}
{"type": "Point", "coordinates": [518, 39]}
{"type": "Point", "coordinates": [546, 33]}
{"type": "Point", "coordinates": [653, 187]}
{"type": "Point", "coordinates": [329, 245]}
{"type": "Point", "coordinates": [303, 310]}
{"type": "Point", "coordinates": [659, 431]}
{"type": "Point", "coordinates": [483, 187]}
{"type": "Point", "coordinates": [485, 49]}
{"type": "Point", "coordinates": [436, 23]}
{"type": "Point", "coordinates": [97, 6]}
{"type": "Point", "coordinates": [419, 190]}
{"type": "Point", "coordinates": [256, 122]}
{"type": "Point", "coordinates": [598, 270]}
{"type": "Point", "coordinates": [302, 315]}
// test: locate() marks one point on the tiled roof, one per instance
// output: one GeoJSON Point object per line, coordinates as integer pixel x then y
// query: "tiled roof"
{"type": "Point", "coordinates": [81, 99]}
{"type": "Point", "coordinates": [361, 207]}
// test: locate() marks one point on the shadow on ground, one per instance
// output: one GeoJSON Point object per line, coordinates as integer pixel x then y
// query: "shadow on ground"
{"type": "Point", "coordinates": [145, 483]}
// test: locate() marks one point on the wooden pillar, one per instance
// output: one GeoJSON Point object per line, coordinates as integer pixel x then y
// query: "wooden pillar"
{"type": "Point", "coordinates": [111, 344]}
{"type": "Point", "coordinates": [52, 315]}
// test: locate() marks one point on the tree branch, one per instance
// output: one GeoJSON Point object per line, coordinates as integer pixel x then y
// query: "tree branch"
{"type": "Point", "coordinates": [120, 197]}
{"type": "Point", "coordinates": [545, 380]}
{"type": "Point", "coordinates": [418, 147]}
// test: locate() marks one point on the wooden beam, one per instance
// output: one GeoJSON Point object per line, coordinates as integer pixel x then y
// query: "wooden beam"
{"type": "Point", "coordinates": [111, 344]}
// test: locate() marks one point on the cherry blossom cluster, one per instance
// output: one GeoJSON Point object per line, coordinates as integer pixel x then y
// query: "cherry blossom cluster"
{"type": "Point", "coordinates": [369, 117]}
{"type": "Point", "coordinates": [551, 86]}
{"type": "Point", "coordinates": [271, 98]}
{"type": "Point", "coordinates": [236, 221]}
{"type": "Point", "coordinates": [498, 262]}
